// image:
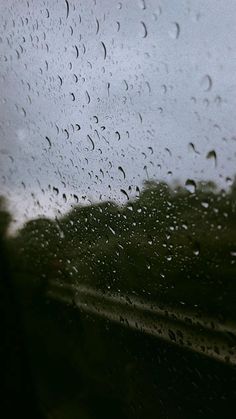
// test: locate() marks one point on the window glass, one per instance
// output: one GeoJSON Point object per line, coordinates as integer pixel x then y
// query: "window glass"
{"type": "Point", "coordinates": [118, 187]}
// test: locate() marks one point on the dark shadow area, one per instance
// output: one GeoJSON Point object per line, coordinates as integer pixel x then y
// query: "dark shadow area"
{"type": "Point", "coordinates": [17, 384]}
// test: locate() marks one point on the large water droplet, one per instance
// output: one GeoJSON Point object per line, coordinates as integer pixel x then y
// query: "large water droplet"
{"type": "Point", "coordinates": [190, 185]}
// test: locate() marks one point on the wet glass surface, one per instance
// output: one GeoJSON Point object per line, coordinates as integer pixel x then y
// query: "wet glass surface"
{"type": "Point", "coordinates": [118, 202]}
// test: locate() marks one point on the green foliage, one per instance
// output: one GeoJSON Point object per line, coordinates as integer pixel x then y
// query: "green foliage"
{"type": "Point", "coordinates": [169, 245]}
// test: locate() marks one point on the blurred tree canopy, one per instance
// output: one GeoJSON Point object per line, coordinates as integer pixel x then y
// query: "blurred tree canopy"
{"type": "Point", "coordinates": [168, 245]}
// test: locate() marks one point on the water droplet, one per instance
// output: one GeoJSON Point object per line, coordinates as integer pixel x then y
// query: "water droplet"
{"type": "Point", "coordinates": [164, 88]}
{"type": "Point", "coordinates": [190, 185]}
{"type": "Point", "coordinates": [168, 151]}
{"type": "Point", "coordinates": [206, 83]}
{"type": "Point", "coordinates": [67, 134]}
{"type": "Point", "coordinates": [122, 171]}
{"type": "Point", "coordinates": [76, 50]}
{"type": "Point", "coordinates": [49, 142]}
{"type": "Point", "coordinates": [118, 135]}
{"type": "Point", "coordinates": [144, 29]}
{"type": "Point", "coordinates": [104, 50]}
{"type": "Point", "coordinates": [192, 148]}
{"type": "Point", "coordinates": [76, 198]}
{"type": "Point", "coordinates": [174, 30]}
{"type": "Point", "coordinates": [87, 97]}
{"type": "Point", "coordinates": [92, 142]}
{"type": "Point", "coordinates": [67, 8]}
{"type": "Point", "coordinates": [97, 24]}
{"type": "Point", "coordinates": [142, 4]}
{"type": "Point", "coordinates": [125, 193]}
{"type": "Point", "coordinates": [196, 248]}
{"type": "Point", "coordinates": [212, 156]}
{"type": "Point", "coordinates": [157, 13]}
{"type": "Point", "coordinates": [72, 96]}
{"type": "Point", "coordinates": [218, 100]}
{"type": "Point", "coordinates": [113, 231]}
{"type": "Point", "coordinates": [229, 180]}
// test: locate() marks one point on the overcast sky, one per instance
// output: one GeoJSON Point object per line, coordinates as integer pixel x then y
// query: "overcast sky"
{"type": "Point", "coordinates": [98, 96]}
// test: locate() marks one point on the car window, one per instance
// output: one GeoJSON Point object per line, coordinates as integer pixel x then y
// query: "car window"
{"type": "Point", "coordinates": [118, 190]}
